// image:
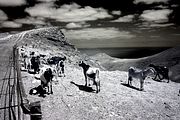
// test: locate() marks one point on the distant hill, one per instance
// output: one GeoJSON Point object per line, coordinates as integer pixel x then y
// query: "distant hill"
{"type": "Point", "coordinates": [169, 58]}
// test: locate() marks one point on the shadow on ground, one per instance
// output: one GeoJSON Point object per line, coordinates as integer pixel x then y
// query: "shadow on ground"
{"type": "Point", "coordinates": [164, 80]}
{"type": "Point", "coordinates": [31, 72]}
{"type": "Point", "coordinates": [83, 88]}
{"type": "Point", "coordinates": [158, 80]}
{"type": "Point", "coordinates": [127, 85]}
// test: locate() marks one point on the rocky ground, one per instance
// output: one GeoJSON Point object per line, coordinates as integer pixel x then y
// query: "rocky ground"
{"type": "Point", "coordinates": [72, 101]}
{"type": "Point", "coordinates": [116, 100]}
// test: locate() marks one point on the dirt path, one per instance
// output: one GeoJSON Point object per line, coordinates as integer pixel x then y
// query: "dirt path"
{"type": "Point", "coordinates": [160, 100]}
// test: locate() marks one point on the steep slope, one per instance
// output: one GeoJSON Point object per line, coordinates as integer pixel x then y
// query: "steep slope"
{"type": "Point", "coordinates": [49, 41]}
{"type": "Point", "coordinates": [44, 36]}
{"type": "Point", "coordinates": [71, 100]}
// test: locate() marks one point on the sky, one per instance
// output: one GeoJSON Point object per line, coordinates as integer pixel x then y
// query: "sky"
{"type": "Point", "coordinates": [98, 23]}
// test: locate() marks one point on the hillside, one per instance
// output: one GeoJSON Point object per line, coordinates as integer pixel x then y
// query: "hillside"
{"type": "Point", "coordinates": [169, 58]}
{"type": "Point", "coordinates": [71, 100]}
{"type": "Point", "coordinates": [115, 101]}
{"type": "Point", "coordinates": [51, 42]}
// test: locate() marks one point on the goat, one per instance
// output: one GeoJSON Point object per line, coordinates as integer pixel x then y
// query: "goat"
{"type": "Point", "coordinates": [46, 79]}
{"type": "Point", "coordinates": [160, 70]}
{"type": "Point", "coordinates": [138, 74]}
{"type": "Point", "coordinates": [91, 73]}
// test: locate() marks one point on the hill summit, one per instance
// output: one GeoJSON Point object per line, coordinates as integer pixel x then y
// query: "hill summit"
{"type": "Point", "coordinates": [49, 41]}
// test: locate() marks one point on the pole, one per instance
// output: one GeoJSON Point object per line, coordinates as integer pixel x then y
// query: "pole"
{"type": "Point", "coordinates": [17, 88]}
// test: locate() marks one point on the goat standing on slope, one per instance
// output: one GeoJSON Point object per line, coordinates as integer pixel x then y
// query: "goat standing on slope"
{"type": "Point", "coordinates": [60, 67]}
{"type": "Point", "coordinates": [91, 73]}
{"type": "Point", "coordinates": [138, 74]}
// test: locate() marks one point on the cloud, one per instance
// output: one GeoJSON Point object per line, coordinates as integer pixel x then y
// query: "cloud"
{"type": "Point", "coordinates": [3, 16]}
{"type": "Point", "coordinates": [10, 24]}
{"type": "Point", "coordinates": [161, 25]}
{"type": "Point", "coordinates": [158, 16]}
{"type": "Point", "coordinates": [77, 25]}
{"type": "Point", "coordinates": [149, 1]}
{"type": "Point", "coordinates": [154, 36]}
{"type": "Point", "coordinates": [128, 18]}
{"type": "Point", "coordinates": [149, 25]}
{"type": "Point", "coordinates": [68, 13]}
{"type": "Point", "coordinates": [161, 6]}
{"type": "Point", "coordinates": [31, 20]}
{"type": "Point", "coordinates": [97, 33]}
{"type": "Point", "coordinates": [73, 25]}
{"type": "Point", "coordinates": [12, 2]}
{"type": "Point", "coordinates": [116, 12]}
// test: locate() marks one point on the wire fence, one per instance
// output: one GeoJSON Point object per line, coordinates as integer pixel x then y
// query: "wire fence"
{"type": "Point", "coordinates": [12, 93]}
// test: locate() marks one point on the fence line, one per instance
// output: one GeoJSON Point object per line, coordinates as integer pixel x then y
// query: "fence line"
{"type": "Point", "coordinates": [13, 88]}
{"type": "Point", "coordinates": [13, 93]}
{"type": "Point", "coordinates": [21, 95]}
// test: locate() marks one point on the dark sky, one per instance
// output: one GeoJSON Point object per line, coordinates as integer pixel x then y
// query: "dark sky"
{"type": "Point", "coordinates": [98, 23]}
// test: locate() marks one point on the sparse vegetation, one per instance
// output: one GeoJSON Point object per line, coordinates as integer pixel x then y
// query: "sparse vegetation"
{"type": "Point", "coordinates": [116, 100]}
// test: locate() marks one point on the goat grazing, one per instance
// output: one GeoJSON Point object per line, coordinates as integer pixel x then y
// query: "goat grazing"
{"type": "Point", "coordinates": [91, 73]}
{"type": "Point", "coordinates": [46, 79]}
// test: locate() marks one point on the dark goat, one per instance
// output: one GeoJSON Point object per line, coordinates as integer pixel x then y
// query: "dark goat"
{"type": "Point", "coordinates": [160, 70]}
{"type": "Point", "coordinates": [35, 62]}
{"type": "Point", "coordinates": [46, 79]}
{"type": "Point", "coordinates": [55, 60]}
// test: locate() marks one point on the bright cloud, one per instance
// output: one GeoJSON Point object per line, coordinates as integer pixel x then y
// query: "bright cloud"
{"type": "Point", "coordinates": [68, 13]}
{"type": "Point", "coordinates": [156, 15]}
{"type": "Point", "coordinates": [10, 24]}
{"type": "Point", "coordinates": [97, 33]}
{"type": "Point", "coordinates": [149, 25]}
{"type": "Point", "coordinates": [77, 25]}
{"type": "Point", "coordinates": [149, 1]}
{"type": "Point", "coordinates": [161, 6]}
{"type": "Point", "coordinates": [73, 25]}
{"type": "Point", "coordinates": [12, 2]}
{"type": "Point", "coordinates": [3, 16]}
{"type": "Point", "coordinates": [31, 20]}
{"type": "Point", "coordinates": [128, 18]}
{"type": "Point", "coordinates": [116, 12]}
{"type": "Point", "coordinates": [161, 25]}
